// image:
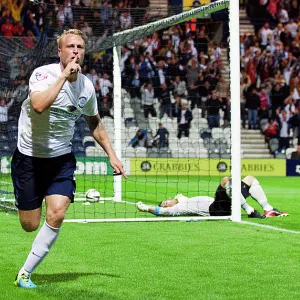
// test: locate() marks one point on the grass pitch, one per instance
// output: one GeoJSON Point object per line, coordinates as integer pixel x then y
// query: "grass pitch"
{"type": "Point", "coordinates": [165, 260]}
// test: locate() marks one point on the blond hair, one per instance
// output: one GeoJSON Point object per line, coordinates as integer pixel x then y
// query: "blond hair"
{"type": "Point", "coordinates": [70, 31]}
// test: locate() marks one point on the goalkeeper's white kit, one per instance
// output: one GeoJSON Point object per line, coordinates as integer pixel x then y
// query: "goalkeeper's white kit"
{"type": "Point", "coordinates": [187, 206]}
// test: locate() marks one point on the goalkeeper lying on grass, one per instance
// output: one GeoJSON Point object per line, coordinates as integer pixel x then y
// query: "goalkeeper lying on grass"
{"type": "Point", "coordinates": [220, 205]}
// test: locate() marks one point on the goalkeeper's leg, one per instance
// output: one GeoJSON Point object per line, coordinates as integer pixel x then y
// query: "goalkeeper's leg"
{"type": "Point", "coordinates": [257, 192]}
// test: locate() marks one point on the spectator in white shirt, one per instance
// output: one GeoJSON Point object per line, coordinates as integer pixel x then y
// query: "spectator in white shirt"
{"type": "Point", "coordinates": [105, 85]}
{"type": "Point", "coordinates": [292, 27]}
{"type": "Point", "coordinates": [148, 100]}
{"type": "Point", "coordinates": [179, 87]}
{"type": "Point", "coordinates": [283, 16]}
{"type": "Point", "coordinates": [125, 20]}
{"type": "Point", "coordinates": [266, 35]}
{"type": "Point", "coordinates": [93, 77]}
{"type": "Point", "coordinates": [4, 107]}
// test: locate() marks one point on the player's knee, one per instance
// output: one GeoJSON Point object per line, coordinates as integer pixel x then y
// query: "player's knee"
{"type": "Point", "coordinates": [249, 180]}
{"type": "Point", "coordinates": [30, 226]}
{"type": "Point", "coordinates": [224, 181]}
{"type": "Point", "coordinates": [55, 218]}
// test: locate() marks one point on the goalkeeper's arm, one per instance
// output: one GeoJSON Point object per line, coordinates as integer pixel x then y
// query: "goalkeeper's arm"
{"type": "Point", "coordinates": [158, 210]}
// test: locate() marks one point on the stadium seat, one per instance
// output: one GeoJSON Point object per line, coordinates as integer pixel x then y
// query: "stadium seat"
{"type": "Point", "coordinates": [280, 155]}
{"type": "Point", "coordinates": [177, 153]}
{"type": "Point", "coordinates": [194, 134]}
{"type": "Point", "coordinates": [273, 144]}
{"type": "Point", "coordinates": [217, 133]}
{"type": "Point", "coordinates": [197, 143]}
{"type": "Point", "coordinates": [128, 152]}
{"type": "Point", "coordinates": [88, 141]}
{"type": "Point", "coordinates": [130, 122]}
{"type": "Point", "coordinates": [214, 153]}
{"type": "Point", "coordinates": [79, 151]}
{"type": "Point", "coordinates": [152, 153]}
{"type": "Point", "coordinates": [191, 153]}
{"type": "Point", "coordinates": [165, 154]}
{"type": "Point", "coordinates": [202, 153]}
{"type": "Point", "coordinates": [185, 143]}
{"type": "Point", "coordinates": [141, 152]}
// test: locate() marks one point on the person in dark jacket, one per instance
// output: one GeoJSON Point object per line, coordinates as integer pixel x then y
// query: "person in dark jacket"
{"type": "Point", "coordinates": [184, 118]}
{"type": "Point", "coordinates": [163, 134]}
{"type": "Point", "coordinates": [214, 103]}
{"type": "Point", "coordinates": [252, 104]}
{"type": "Point", "coordinates": [165, 101]}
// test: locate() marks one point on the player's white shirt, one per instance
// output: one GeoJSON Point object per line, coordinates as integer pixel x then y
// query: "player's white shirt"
{"type": "Point", "coordinates": [188, 206]}
{"type": "Point", "coordinates": [49, 134]}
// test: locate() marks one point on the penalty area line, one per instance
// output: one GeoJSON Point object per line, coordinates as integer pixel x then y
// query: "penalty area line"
{"type": "Point", "coordinates": [270, 227]}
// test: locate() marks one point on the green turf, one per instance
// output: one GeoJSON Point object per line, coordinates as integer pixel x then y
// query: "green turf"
{"type": "Point", "coordinates": [165, 260]}
{"type": "Point", "coordinates": [174, 260]}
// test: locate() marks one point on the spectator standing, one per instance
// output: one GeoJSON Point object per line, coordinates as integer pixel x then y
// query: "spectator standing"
{"type": "Point", "coordinates": [284, 129]}
{"type": "Point", "coordinates": [148, 100]}
{"type": "Point", "coordinates": [179, 87]}
{"type": "Point", "coordinates": [165, 102]}
{"type": "Point", "coordinates": [213, 110]}
{"type": "Point", "coordinates": [105, 85]}
{"type": "Point", "coordinates": [125, 20]}
{"type": "Point", "coordinates": [204, 92]}
{"type": "Point", "coordinates": [4, 107]}
{"type": "Point", "coordinates": [7, 28]}
{"type": "Point", "coordinates": [105, 107]}
{"type": "Point", "coordinates": [278, 96]}
{"type": "Point", "coordinates": [184, 118]}
{"type": "Point", "coordinates": [272, 129]}
{"type": "Point", "coordinates": [163, 134]}
{"type": "Point", "coordinates": [252, 104]}
{"type": "Point", "coordinates": [265, 34]}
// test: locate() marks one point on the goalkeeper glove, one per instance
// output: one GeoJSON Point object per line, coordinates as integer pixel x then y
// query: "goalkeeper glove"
{"type": "Point", "coordinates": [142, 207]}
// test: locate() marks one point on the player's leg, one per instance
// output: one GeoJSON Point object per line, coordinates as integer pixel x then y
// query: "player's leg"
{"type": "Point", "coordinates": [257, 193]}
{"type": "Point", "coordinates": [30, 219]}
{"type": "Point", "coordinates": [250, 211]}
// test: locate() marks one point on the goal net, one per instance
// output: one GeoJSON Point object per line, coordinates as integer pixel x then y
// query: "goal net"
{"type": "Point", "coordinates": [162, 81]}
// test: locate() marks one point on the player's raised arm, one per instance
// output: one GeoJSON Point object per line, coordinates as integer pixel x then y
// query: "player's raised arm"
{"type": "Point", "coordinates": [42, 100]}
{"type": "Point", "coordinates": [100, 135]}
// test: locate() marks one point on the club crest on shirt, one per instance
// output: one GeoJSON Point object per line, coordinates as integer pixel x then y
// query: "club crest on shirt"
{"type": "Point", "coordinates": [81, 102]}
{"type": "Point", "coordinates": [40, 76]}
{"type": "Point", "coordinates": [71, 108]}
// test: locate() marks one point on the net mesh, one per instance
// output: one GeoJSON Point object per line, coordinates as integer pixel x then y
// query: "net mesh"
{"type": "Point", "coordinates": [189, 60]}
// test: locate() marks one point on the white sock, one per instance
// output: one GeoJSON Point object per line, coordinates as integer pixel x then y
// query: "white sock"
{"type": "Point", "coordinates": [40, 247]}
{"type": "Point", "coordinates": [248, 209]}
{"type": "Point", "coordinates": [259, 195]}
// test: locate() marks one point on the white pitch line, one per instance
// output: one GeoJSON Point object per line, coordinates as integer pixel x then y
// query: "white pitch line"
{"type": "Point", "coordinates": [270, 227]}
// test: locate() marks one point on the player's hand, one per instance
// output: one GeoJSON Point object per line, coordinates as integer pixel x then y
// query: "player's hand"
{"type": "Point", "coordinates": [142, 207]}
{"type": "Point", "coordinates": [72, 68]}
{"type": "Point", "coordinates": [117, 166]}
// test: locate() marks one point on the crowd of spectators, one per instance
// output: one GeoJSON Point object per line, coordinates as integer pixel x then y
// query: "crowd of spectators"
{"type": "Point", "coordinates": [270, 71]}
{"type": "Point", "coordinates": [179, 67]}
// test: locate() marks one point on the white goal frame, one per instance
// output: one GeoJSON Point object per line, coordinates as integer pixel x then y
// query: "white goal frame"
{"type": "Point", "coordinates": [234, 46]}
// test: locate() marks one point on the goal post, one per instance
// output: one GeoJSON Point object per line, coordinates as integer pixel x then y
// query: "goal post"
{"type": "Point", "coordinates": [123, 37]}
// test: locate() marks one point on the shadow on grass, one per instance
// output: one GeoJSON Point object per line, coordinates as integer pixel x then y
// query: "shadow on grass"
{"type": "Point", "coordinates": [64, 277]}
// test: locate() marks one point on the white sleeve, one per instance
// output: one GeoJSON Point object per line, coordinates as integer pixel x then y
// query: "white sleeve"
{"type": "Point", "coordinates": [40, 80]}
{"type": "Point", "coordinates": [91, 107]}
{"type": "Point", "coordinates": [168, 211]}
